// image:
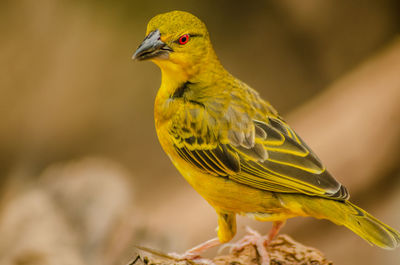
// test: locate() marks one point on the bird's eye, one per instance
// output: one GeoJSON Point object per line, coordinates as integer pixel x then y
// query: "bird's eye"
{"type": "Point", "coordinates": [183, 39]}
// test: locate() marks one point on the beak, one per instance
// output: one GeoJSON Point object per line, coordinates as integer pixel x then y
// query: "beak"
{"type": "Point", "coordinates": [152, 47]}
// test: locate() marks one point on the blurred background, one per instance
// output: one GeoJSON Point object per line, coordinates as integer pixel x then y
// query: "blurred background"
{"type": "Point", "coordinates": [82, 176]}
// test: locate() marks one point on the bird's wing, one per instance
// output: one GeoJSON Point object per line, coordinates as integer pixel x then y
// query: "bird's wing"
{"type": "Point", "coordinates": [291, 166]}
{"type": "Point", "coordinates": [266, 155]}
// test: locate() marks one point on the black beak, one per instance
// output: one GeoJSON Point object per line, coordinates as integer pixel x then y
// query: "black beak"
{"type": "Point", "coordinates": [152, 47]}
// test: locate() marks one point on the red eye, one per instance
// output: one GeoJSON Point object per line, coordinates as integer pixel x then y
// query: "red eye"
{"type": "Point", "coordinates": [183, 39]}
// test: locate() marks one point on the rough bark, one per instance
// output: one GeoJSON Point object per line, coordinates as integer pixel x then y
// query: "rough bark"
{"type": "Point", "coordinates": [282, 251]}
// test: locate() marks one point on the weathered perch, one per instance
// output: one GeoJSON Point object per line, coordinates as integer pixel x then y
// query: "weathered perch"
{"type": "Point", "coordinates": [282, 251]}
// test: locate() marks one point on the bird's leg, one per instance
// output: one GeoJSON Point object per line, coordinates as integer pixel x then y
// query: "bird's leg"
{"type": "Point", "coordinates": [254, 238]}
{"type": "Point", "coordinates": [276, 227]}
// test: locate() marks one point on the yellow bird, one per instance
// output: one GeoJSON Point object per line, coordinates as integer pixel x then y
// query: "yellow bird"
{"type": "Point", "coordinates": [234, 148]}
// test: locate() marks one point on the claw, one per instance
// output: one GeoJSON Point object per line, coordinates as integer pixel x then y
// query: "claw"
{"type": "Point", "coordinates": [224, 246]}
{"type": "Point", "coordinates": [187, 255]}
{"type": "Point", "coordinates": [204, 261]}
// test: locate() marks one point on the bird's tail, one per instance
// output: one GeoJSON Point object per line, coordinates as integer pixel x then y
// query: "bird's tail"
{"type": "Point", "coordinates": [354, 218]}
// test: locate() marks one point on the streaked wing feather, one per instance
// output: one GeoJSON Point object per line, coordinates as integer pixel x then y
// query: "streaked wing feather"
{"type": "Point", "coordinates": [291, 164]}
{"type": "Point", "coordinates": [218, 161]}
{"type": "Point", "coordinates": [264, 155]}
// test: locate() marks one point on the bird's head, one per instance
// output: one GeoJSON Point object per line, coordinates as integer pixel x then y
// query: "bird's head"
{"type": "Point", "coordinates": [178, 42]}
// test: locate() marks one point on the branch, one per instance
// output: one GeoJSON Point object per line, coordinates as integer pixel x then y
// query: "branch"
{"type": "Point", "coordinates": [283, 250]}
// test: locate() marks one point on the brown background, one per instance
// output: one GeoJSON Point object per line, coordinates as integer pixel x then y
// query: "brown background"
{"type": "Point", "coordinates": [82, 175]}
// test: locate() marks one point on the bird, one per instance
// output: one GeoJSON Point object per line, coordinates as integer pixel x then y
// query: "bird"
{"type": "Point", "coordinates": [234, 148]}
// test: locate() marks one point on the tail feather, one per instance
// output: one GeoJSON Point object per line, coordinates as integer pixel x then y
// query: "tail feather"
{"type": "Point", "coordinates": [354, 218]}
{"type": "Point", "coordinates": [371, 229]}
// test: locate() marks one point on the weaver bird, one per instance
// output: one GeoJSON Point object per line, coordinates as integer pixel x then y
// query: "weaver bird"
{"type": "Point", "coordinates": [234, 148]}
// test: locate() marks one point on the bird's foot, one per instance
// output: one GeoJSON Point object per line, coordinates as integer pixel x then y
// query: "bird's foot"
{"type": "Point", "coordinates": [194, 253]}
{"type": "Point", "coordinates": [259, 241]}
{"type": "Point", "coordinates": [254, 238]}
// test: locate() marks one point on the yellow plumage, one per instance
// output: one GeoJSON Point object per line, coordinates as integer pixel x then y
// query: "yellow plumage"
{"type": "Point", "coordinates": [232, 146]}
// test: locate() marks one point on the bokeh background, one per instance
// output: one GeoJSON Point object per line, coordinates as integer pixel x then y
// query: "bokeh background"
{"type": "Point", "coordinates": [82, 176]}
